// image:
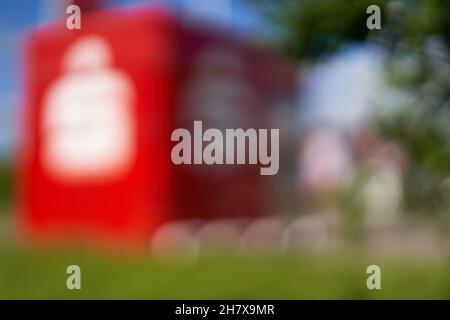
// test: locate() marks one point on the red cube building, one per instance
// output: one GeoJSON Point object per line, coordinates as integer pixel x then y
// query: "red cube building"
{"type": "Point", "coordinates": [100, 106]}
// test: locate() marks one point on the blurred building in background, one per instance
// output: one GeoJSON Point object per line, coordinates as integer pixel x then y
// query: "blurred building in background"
{"type": "Point", "coordinates": [94, 154]}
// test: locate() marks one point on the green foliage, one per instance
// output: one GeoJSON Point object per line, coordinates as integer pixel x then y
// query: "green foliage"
{"type": "Point", "coordinates": [5, 185]}
{"type": "Point", "coordinates": [315, 28]}
{"type": "Point", "coordinates": [312, 28]}
{"type": "Point", "coordinates": [419, 67]}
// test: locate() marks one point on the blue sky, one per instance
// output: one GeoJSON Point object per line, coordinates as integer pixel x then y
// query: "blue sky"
{"type": "Point", "coordinates": [18, 16]}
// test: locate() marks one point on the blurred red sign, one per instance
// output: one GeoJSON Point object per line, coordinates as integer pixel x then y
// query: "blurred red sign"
{"type": "Point", "coordinates": [100, 105]}
{"type": "Point", "coordinates": [94, 153]}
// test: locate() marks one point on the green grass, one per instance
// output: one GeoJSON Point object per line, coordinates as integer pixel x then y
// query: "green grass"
{"type": "Point", "coordinates": [42, 275]}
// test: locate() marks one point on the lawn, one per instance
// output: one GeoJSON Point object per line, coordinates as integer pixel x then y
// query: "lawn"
{"type": "Point", "coordinates": [32, 275]}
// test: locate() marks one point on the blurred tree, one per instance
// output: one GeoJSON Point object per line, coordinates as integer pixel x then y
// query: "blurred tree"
{"type": "Point", "coordinates": [311, 29]}
{"type": "Point", "coordinates": [416, 36]}
{"type": "Point", "coordinates": [5, 186]}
